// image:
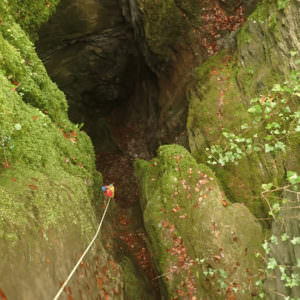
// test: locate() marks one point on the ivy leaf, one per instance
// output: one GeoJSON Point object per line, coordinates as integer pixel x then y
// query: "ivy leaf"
{"type": "Point", "coordinates": [272, 263]}
{"type": "Point", "coordinates": [268, 148]}
{"type": "Point", "coordinates": [293, 177]}
{"type": "Point", "coordinates": [277, 88]}
{"type": "Point", "coordinates": [267, 186]}
{"type": "Point", "coordinates": [296, 240]}
{"type": "Point", "coordinates": [284, 237]}
{"type": "Point", "coordinates": [256, 109]}
{"type": "Point", "coordinates": [274, 240]}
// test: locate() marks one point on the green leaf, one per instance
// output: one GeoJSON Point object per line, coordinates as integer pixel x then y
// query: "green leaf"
{"type": "Point", "coordinates": [268, 148]}
{"type": "Point", "coordinates": [293, 177]}
{"type": "Point", "coordinates": [284, 237]}
{"type": "Point", "coordinates": [280, 146]}
{"type": "Point", "coordinates": [274, 240]}
{"type": "Point", "coordinates": [256, 109]}
{"type": "Point", "coordinates": [244, 126]}
{"type": "Point", "coordinates": [277, 88]}
{"type": "Point", "coordinates": [272, 263]}
{"type": "Point", "coordinates": [267, 186]}
{"type": "Point", "coordinates": [296, 240]}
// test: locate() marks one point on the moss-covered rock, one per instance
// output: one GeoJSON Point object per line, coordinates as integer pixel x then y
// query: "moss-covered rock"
{"type": "Point", "coordinates": [266, 54]}
{"type": "Point", "coordinates": [50, 199]}
{"type": "Point", "coordinates": [202, 244]}
{"type": "Point", "coordinates": [167, 23]}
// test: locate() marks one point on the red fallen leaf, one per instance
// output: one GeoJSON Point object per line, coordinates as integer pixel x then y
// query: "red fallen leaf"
{"type": "Point", "coordinates": [48, 4]}
{"type": "Point", "coordinates": [70, 297]}
{"type": "Point", "coordinates": [34, 118]}
{"type": "Point", "coordinates": [176, 208]}
{"type": "Point", "coordinates": [2, 295]}
{"type": "Point", "coordinates": [13, 179]}
{"type": "Point", "coordinates": [224, 202]}
{"type": "Point", "coordinates": [106, 296]}
{"type": "Point", "coordinates": [70, 291]}
{"type": "Point", "coordinates": [100, 283]}
{"type": "Point", "coordinates": [217, 258]}
{"type": "Point", "coordinates": [235, 239]}
{"type": "Point", "coordinates": [104, 270]}
{"type": "Point", "coordinates": [34, 187]}
{"type": "Point", "coordinates": [73, 133]}
{"type": "Point", "coordinates": [48, 260]}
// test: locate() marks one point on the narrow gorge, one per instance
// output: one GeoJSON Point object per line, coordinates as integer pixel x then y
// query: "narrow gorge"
{"type": "Point", "coordinates": [190, 109]}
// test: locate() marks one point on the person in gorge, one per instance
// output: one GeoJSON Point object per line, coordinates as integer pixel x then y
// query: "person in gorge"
{"type": "Point", "coordinates": [109, 190]}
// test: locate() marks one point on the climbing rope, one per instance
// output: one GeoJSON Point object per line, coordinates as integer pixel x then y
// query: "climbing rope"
{"type": "Point", "coordinates": [85, 252]}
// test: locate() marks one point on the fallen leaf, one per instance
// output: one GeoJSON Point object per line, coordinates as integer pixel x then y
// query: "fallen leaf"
{"type": "Point", "coordinates": [48, 260]}
{"type": "Point", "coordinates": [13, 179]}
{"type": "Point", "coordinates": [100, 283]}
{"type": "Point", "coordinates": [34, 187]}
{"type": "Point", "coordinates": [2, 295]}
{"type": "Point", "coordinates": [73, 133]}
{"type": "Point", "coordinates": [224, 202]}
{"type": "Point", "coordinates": [34, 118]}
{"type": "Point", "coordinates": [106, 296]}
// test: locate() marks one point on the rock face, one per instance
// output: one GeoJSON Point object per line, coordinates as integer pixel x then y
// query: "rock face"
{"type": "Point", "coordinates": [175, 71]}
{"type": "Point", "coordinates": [49, 187]}
{"type": "Point", "coordinates": [227, 82]}
{"type": "Point", "coordinates": [202, 245]}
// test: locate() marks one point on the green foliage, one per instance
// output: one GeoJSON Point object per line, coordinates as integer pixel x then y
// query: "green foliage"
{"type": "Point", "coordinates": [270, 126]}
{"type": "Point", "coordinates": [281, 4]}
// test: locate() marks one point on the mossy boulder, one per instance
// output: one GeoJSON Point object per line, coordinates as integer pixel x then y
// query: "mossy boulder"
{"type": "Point", "coordinates": [202, 244]}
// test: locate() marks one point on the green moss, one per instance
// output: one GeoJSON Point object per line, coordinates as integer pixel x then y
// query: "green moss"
{"type": "Point", "coordinates": [181, 200]}
{"type": "Point", "coordinates": [136, 285]}
{"type": "Point", "coordinates": [167, 23]}
{"type": "Point", "coordinates": [29, 14]}
{"type": "Point", "coordinates": [26, 74]}
{"type": "Point", "coordinates": [225, 86]}
{"type": "Point", "coordinates": [47, 166]}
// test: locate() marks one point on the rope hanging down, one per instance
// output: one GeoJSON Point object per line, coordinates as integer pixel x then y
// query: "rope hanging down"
{"type": "Point", "coordinates": [85, 252]}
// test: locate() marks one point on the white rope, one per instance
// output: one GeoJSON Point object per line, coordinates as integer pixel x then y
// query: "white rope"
{"type": "Point", "coordinates": [83, 255]}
